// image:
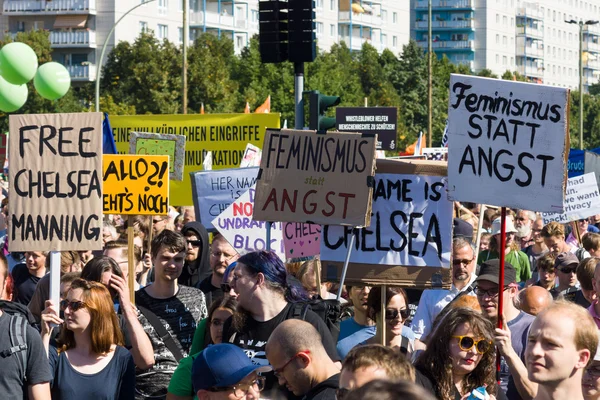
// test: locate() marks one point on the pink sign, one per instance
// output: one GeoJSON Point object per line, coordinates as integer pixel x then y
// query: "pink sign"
{"type": "Point", "coordinates": [301, 240]}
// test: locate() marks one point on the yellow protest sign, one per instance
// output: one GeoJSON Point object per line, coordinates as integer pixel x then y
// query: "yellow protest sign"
{"type": "Point", "coordinates": [224, 135]}
{"type": "Point", "coordinates": [135, 184]}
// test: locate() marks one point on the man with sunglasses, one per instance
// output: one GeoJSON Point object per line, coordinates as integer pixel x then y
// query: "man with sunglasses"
{"type": "Point", "coordinates": [197, 257]}
{"type": "Point", "coordinates": [512, 339]}
{"type": "Point", "coordinates": [222, 254]}
{"type": "Point", "coordinates": [565, 266]}
{"type": "Point", "coordinates": [224, 371]}
{"type": "Point", "coordinates": [300, 362]}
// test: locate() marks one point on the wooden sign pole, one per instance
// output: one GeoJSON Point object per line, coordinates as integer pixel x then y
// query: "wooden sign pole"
{"type": "Point", "coordinates": [131, 259]}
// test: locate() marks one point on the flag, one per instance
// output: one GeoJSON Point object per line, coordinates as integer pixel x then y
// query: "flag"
{"type": "Point", "coordinates": [202, 108]}
{"type": "Point", "coordinates": [445, 136]}
{"type": "Point", "coordinates": [419, 146]}
{"type": "Point", "coordinates": [264, 107]}
{"type": "Point", "coordinates": [247, 109]}
{"type": "Point", "coordinates": [284, 124]}
{"type": "Point", "coordinates": [108, 140]}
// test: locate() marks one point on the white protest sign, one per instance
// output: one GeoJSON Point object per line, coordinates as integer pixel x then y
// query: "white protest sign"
{"type": "Point", "coordinates": [411, 225]}
{"type": "Point", "coordinates": [581, 200]}
{"type": "Point", "coordinates": [252, 156]}
{"type": "Point", "coordinates": [244, 234]}
{"type": "Point", "coordinates": [213, 191]}
{"type": "Point", "coordinates": [507, 143]}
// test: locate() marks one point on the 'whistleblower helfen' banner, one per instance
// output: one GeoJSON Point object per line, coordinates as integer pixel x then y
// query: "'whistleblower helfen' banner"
{"type": "Point", "coordinates": [225, 135]}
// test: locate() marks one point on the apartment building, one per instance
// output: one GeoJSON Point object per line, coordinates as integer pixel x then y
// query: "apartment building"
{"type": "Point", "coordinates": [79, 28]}
{"type": "Point", "coordinates": [533, 38]}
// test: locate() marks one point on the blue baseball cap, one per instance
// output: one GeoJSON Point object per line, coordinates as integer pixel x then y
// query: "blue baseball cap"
{"type": "Point", "coordinates": [222, 365]}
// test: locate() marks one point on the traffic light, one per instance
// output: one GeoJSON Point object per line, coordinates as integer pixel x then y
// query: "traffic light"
{"type": "Point", "coordinates": [302, 39]}
{"type": "Point", "coordinates": [319, 103]}
{"type": "Point", "coordinates": [273, 30]}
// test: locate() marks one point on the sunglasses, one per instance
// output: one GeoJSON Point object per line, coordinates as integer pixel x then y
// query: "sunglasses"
{"type": "Point", "coordinates": [195, 243]}
{"type": "Point", "coordinates": [462, 262]}
{"type": "Point", "coordinates": [73, 305]}
{"type": "Point", "coordinates": [466, 343]}
{"type": "Point", "coordinates": [565, 270]}
{"type": "Point", "coordinates": [391, 314]}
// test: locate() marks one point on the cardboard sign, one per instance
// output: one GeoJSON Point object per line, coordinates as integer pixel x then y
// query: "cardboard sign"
{"type": "Point", "coordinates": [507, 143]}
{"type": "Point", "coordinates": [224, 135]}
{"type": "Point", "coordinates": [214, 191]}
{"type": "Point", "coordinates": [322, 179]}
{"type": "Point", "coordinates": [135, 184]}
{"type": "Point", "coordinates": [411, 228]}
{"type": "Point", "coordinates": [301, 240]}
{"type": "Point", "coordinates": [161, 145]}
{"type": "Point", "coordinates": [581, 200]}
{"type": "Point", "coordinates": [251, 157]}
{"type": "Point", "coordinates": [382, 121]}
{"type": "Point", "coordinates": [242, 232]}
{"type": "Point", "coordinates": [55, 180]}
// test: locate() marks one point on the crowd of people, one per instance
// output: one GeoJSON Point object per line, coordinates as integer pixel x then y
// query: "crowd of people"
{"type": "Point", "coordinates": [209, 323]}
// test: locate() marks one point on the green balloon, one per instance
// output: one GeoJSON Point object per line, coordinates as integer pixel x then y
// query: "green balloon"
{"type": "Point", "coordinates": [18, 63]}
{"type": "Point", "coordinates": [52, 80]}
{"type": "Point", "coordinates": [12, 97]}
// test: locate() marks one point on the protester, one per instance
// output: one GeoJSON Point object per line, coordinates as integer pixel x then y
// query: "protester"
{"type": "Point", "coordinates": [434, 300]}
{"type": "Point", "coordinates": [524, 226]}
{"type": "Point", "coordinates": [594, 308]}
{"type": "Point", "coordinates": [364, 364]}
{"type": "Point", "coordinates": [386, 390]}
{"type": "Point", "coordinates": [209, 331]}
{"type": "Point", "coordinates": [513, 255]}
{"type": "Point", "coordinates": [537, 249]}
{"type": "Point", "coordinates": [90, 362]}
{"type": "Point", "coordinates": [554, 238]}
{"type": "Point", "coordinates": [512, 338]}
{"type": "Point", "coordinates": [307, 276]}
{"type": "Point", "coordinates": [169, 314]}
{"type": "Point", "coordinates": [534, 299]}
{"type": "Point", "coordinates": [300, 361]}
{"type": "Point", "coordinates": [20, 379]}
{"type": "Point", "coordinates": [160, 223]}
{"type": "Point", "coordinates": [591, 244]}
{"type": "Point", "coordinates": [563, 340]}
{"type": "Point", "coordinates": [360, 327]}
{"type": "Point", "coordinates": [591, 378]}
{"type": "Point", "coordinates": [395, 314]}
{"type": "Point", "coordinates": [585, 276]}
{"type": "Point", "coordinates": [26, 276]}
{"type": "Point", "coordinates": [484, 241]}
{"type": "Point", "coordinates": [109, 232]}
{"type": "Point", "coordinates": [197, 257]}
{"type": "Point", "coordinates": [118, 250]}
{"type": "Point", "coordinates": [227, 279]}
{"type": "Point", "coordinates": [459, 357]}
{"type": "Point", "coordinates": [188, 213]}
{"type": "Point", "coordinates": [221, 255]}
{"type": "Point", "coordinates": [583, 227]}
{"type": "Point", "coordinates": [223, 371]}
{"type": "Point", "coordinates": [265, 299]}
{"type": "Point", "coordinates": [565, 267]}
{"type": "Point", "coordinates": [546, 271]}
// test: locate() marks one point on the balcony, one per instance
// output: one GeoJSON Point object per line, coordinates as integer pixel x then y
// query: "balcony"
{"type": "Point", "coordinates": [530, 32]}
{"type": "Point", "coordinates": [446, 4]}
{"type": "Point", "coordinates": [55, 7]}
{"type": "Point", "coordinates": [592, 64]}
{"type": "Point", "coordinates": [591, 47]}
{"type": "Point", "coordinates": [530, 13]}
{"type": "Point", "coordinates": [449, 45]}
{"type": "Point", "coordinates": [219, 21]}
{"type": "Point", "coordinates": [447, 25]}
{"type": "Point", "coordinates": [531, 71]}
{"type": "Point", "coordinates": [75, 38]}
{"type": "Point", "coordinates": [355, 43]}
{"type": "Point", "coordinates": [531, 52]}
{"type": "Point", "coordinates": [82, 73]}
{"type": "Point", "coordinates": [346, 17]}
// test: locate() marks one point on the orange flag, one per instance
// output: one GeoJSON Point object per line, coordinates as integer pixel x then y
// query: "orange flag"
{"type": "Point", "coordinates": [202, 108]}
{"type": "Point", "coordinates": [264, 107]}
{"type": "Point", "coordinates": [247, 109]}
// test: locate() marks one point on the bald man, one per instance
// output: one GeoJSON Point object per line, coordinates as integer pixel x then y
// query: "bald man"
{"type": "Point", "coordinates": [300, 362]}
{"type": "Point", "coordinates": [534, 299]}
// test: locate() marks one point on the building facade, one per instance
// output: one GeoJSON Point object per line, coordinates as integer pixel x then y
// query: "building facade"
{"type": "Point", "coordinates": [79, 28]}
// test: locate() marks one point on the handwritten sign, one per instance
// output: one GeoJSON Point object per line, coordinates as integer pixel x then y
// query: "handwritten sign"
{"type": "Point", "coordinates": [581, 200]}
{"type": "Point", "coordinates": [161, 145]}
{"type": "Point", "coordinates": [301, 240]}
{"type": "Point", "coordinates": [507, 143]}
{"type": "Point", "coordinates": [252, 156]}
{"type": "Point", "coordinates": [55, 181]}
{"type": "Point", "coordinates": [322, 179]}
{"type": "Point", "coordinates": [135, 184]}
{"type": "Point", "coordinates": [242, 232]}
{"type": "Point", "coordinates": [214, 191]}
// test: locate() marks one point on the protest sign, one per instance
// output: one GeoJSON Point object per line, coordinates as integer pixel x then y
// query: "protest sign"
{"type": "Point", "coordinates": [301, 240]}
{"type": "Point", "coordinates": [161, 145]}
{"type": "Point", "coordinates": [242, 232]}
{"type": "Point", "coordinates": [214, 191]}
{"type": "Point", "coordinates": [55, 180]}
{"type": "Point", "coordinates": [135, 184]}
{"type": "Point", "coordinates": [224, 135]}
{"type": "Point", "coordinates": [322, 179]}
{"type": "Point", "coordinates": [411, 228]}
{"type": "Point", "coordinates": [382, 121]}
{"type": "Point", "coordinates": [252, 156]}
{"type": "Point", "coordinates": [435, 153]}
{"type": "Point", "coordinates": [592, 164]}
{"type": "Point", "coordinates": [508, 143]}
{"type": "Point", "coordinates": [581, 200]}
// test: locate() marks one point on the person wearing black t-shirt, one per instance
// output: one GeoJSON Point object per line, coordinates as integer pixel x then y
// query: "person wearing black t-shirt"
{"type": "Point", "coordinates": [222, 254]}
{"type": "Point", "coordinates": [265, 300]}
{"type": "Point", "coordinates": [26, 276]}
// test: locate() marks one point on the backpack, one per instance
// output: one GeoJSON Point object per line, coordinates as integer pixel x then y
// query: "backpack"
{"type": "Point", "coordinates": [20, 317]}
{"type": "Point", "coordinates": [328, 310]}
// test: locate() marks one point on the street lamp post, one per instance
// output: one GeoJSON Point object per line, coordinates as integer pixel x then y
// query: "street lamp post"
{"type": "Point", "coordinates": [112, 30]}
{"type": "Point", "coordinates": [581, 25]}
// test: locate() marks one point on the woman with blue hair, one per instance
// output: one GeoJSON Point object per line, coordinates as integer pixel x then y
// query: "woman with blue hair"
{"type": "Point", "coordinates": [266, 297]}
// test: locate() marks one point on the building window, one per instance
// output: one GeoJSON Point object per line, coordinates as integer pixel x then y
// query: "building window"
{"type": "Point", "coordinates": [505, 20]}
{"type": "Point", "coordinates": [504, 41]}
{"type": "Point", "coordinates": [163, 32]}
{"type": "Point", "coordinates": [239, 42]}
{"type": "Point", "coordinates": [180, 34]}
{"type": "Point", "coordinates": [497, 18]}
{"type": "Point", "coordinates": [319, 28]}
{"type": "Point", "coordinates": [143, 26]}
{"type": "Point", "coordinates": [319, 3]}
{"type": "Point", "coordinates": [395, 17]}
{"type": "Point", "coordinates": [384, 39]}
{"type": "Point", "coordinates": [163, 6]}
{"type": "Point", "coordinates": [394, 41]}
{"type": "Point", "coordinates": [384, 15]}
{"type": "Point", "coordinates": [497, 39]}
{"type": "Point", "coordinates": [497, 59]}
{"type": "Point", "coordinates": [332, 30]}
{"type": "Point", "coordinates": [331, 5]}
{"type": "Point", "coordinates": [504, 60]}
